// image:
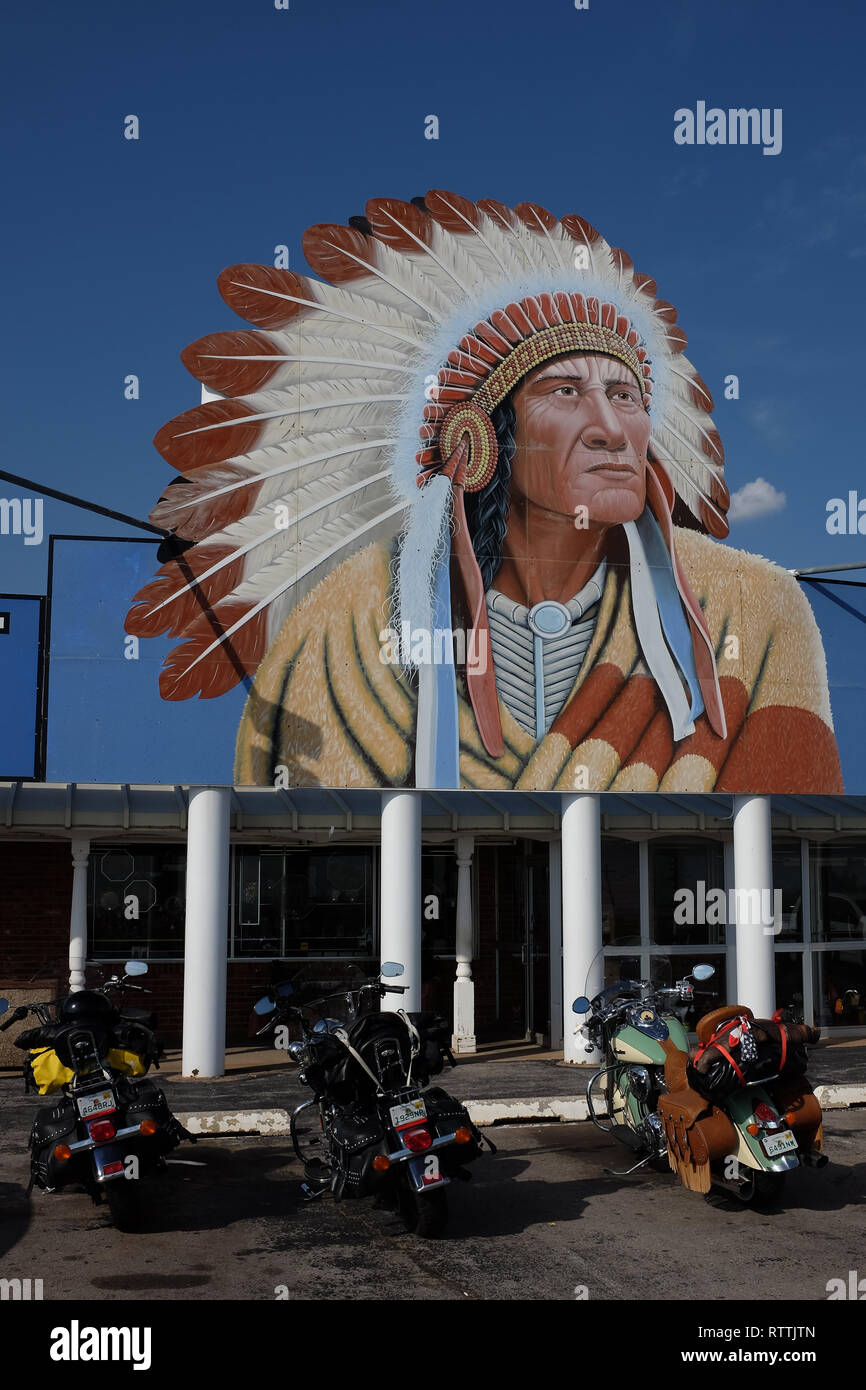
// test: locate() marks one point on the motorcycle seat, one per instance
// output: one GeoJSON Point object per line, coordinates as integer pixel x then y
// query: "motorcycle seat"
{"type": "Point", "coordinates": [710, 1022]}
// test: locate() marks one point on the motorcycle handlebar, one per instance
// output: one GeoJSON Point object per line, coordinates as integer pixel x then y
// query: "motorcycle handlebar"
{"type": "Point", "coordinates": [15, 1017]}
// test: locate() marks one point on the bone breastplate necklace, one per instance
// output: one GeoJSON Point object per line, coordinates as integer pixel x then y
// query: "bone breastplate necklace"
{"type": "Point", "coordinates": [538, 651]}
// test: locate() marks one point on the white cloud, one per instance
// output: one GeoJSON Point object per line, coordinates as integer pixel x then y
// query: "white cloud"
{"type": "Point", "coordinates": [758, 498]}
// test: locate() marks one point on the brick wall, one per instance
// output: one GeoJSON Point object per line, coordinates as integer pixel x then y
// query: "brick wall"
{"type": "Point", "coordinates": [35, 898]}
{"type": "Point", "coordinates": [35, 902]}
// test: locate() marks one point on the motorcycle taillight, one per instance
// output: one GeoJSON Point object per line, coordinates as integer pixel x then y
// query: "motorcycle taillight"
{"type": "Point", "coordinates": [417, 1140]}
{"type": "Point", "coordinates": [101, 1131]}
{"type": "Point", "coordinates": [764, 1113]}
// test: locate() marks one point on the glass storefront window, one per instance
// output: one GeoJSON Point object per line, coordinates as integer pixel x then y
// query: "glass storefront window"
{"type": "Point", "coordinates": [686, 892]}
{"type": "Point", "coordinates": [788, 880]}
{"type": "Point", "coordinates": [137, 901]}
{"type": "Point", "coordinates": [315, 902]}
{"type": "Point", "coordinates": [438, 929]}
{"type": "Point", "coordinates": [620, 892]}
{"type": "Point", "coordinates": [839, 982]}
{"type": "Point", "coordinates": [260, 904]}
{"type": "Point", "coordinates": [789, 981]}
{"type": "Point", "coordinates": [838, 878]}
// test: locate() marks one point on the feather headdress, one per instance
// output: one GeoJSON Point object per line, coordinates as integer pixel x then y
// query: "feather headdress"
{"type": "Point", "coordinates": [359, 408]}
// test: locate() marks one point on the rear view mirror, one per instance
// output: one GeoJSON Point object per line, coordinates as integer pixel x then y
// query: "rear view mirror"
{"type": "Point", "coordinates": [581, 1005]}
{"type": "Point", "coordinates": [703, 972]}
{"type": "Point", "coordinates": [264, 1006]}
{"type": "Point", "coordinates": [391, 968]}
{"type": "Point", "coordinates": [136, 967]}
{"type": "Point", "coordinates": [4, 1005]}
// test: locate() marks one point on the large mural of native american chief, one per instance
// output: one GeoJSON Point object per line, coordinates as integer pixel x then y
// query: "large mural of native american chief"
{"type": "Point", "coordinates": [456, 518]}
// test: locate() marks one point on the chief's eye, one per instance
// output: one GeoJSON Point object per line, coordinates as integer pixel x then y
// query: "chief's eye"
{"type": "Point", "coordinates": [565, 391]}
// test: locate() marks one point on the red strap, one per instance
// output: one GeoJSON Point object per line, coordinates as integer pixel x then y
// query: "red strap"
{"type": "Point", "coordinates": [783, 1037]}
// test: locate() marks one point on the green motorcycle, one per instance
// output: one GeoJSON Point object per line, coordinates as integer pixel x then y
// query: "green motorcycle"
{"type": "Point", "coordinates": [644, 1096]}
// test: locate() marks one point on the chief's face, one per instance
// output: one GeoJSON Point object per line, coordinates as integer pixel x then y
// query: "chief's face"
{"type": "Point", "coordinates": [582, 436]}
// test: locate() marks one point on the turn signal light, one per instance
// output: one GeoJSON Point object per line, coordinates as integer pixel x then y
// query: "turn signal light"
{"type": "Point", "coordinates": [381, 1163]}
{"type": "Point", "coordinates": [791, 1117]}
{"type": "Point", "coordinates": [148, 1127]}
{"type": "Point", "coordinates": [62, 1152]}
{"type": "Point", "coordinates": [417, 1140]}
{"type": "Point", "coordinates": [463, 1135]}
{"type": "Point", "coordinates": [753, 1129]}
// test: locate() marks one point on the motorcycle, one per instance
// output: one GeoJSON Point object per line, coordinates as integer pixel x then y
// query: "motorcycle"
{"type": "Point", "coordinates": [738, 1115]}
{"type": "Point", "coordinates": [111, 1127]}
{"type": "Point", "coordinates": [380, 1127]}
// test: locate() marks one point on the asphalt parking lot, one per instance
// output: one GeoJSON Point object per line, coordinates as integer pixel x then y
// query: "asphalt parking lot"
{"type": "Point", "coordinates": [540, 1220]}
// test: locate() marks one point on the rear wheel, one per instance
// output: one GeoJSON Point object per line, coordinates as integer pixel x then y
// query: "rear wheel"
{"type": "Point", "coordinates": [425, 1214]}
{"type": "Point", "coordinates": [124, 1202]}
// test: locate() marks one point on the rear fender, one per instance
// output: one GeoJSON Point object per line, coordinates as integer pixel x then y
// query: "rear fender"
{"type": "Point", "coordinates": [105, 1155]}
{"type": "Point", "coordinates": [741, 1108]}
{"type": "Point", "coordinates": [425, 1173]}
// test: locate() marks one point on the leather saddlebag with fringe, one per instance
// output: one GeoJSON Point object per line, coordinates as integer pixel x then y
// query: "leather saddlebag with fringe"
{"type": "Point", "coordinates": [697, 1132]}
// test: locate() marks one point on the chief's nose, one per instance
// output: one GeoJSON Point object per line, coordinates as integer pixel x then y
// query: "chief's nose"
{"type": "Point", "coordinates": [600, 425]}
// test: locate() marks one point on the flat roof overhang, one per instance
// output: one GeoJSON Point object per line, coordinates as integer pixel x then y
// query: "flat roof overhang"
{"type": "Point", "coordinates": [65, 810]}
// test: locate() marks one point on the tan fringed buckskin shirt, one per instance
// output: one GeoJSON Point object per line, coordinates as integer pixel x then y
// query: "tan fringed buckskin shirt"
{"type": "Point", "coordinates": [326, 707]}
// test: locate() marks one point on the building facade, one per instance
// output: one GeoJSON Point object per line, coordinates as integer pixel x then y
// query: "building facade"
{"type": "Point", "coordinates": [500, 908]}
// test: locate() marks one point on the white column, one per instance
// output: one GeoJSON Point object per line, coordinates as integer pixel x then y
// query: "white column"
{"type": "Point", "coordinates": [463, 1038]}
{"type": "Point", "coordinates": [400, 894]}
{"type": "Point", "coordinates": [78, 915]}
{"type": "Point", "coordinates": [554, 879]}
{"type": "Point", "coordinates": [206, 941]}
{"type": "Point", "coordinates": [582, 959]}
{"type": "Point", "coordinates": [753, 878]}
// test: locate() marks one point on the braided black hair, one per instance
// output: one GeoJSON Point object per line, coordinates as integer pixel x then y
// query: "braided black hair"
{"type": "Point", "coordinates": [487, 510]}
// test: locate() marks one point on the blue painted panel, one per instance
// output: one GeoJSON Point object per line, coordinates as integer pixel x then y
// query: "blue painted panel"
{"type": "Point", "coordinates": [19, 665]}
{"type": "Point", "coordinates": [106, 719]}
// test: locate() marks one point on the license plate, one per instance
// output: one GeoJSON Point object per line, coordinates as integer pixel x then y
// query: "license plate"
{"type": "Point", "coordinates": [100, 1102]}
{"type": "Point", "coordinates": [779, 1144]}
{"type": "Point", "coordinates": [408, 1113]}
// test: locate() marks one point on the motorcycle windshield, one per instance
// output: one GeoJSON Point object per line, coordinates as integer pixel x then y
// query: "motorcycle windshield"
{"type": "Point", "coordinates": [327, 995]}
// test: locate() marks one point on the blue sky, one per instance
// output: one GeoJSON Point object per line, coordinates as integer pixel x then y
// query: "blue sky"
{"type": "Point", "coordinates": [257, 122]}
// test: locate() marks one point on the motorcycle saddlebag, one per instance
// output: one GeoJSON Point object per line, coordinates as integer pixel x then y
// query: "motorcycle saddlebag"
{"type": "Point", "coordinates": [802, 1109]}
{"type": "Point", "coordinates": [697, 1132]}
{"type": "Point", "coordinates": [51, 1127]}
{"type": "Point", "coordinates": [435, 1035]}
{"type": "Point", "coordinates": [444, 1116]}
{"type": "Point", "coordinates": [357, 1136]}
{"type": "Point", "coordinates": [142, 1100]}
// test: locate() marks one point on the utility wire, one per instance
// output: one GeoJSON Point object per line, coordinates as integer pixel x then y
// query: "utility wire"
{"type": "Point", "coordinates": [87, 506]}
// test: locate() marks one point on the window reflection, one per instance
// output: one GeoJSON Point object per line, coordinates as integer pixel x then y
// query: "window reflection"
{"type": "Point", "coordinates": [838, 876]}
{"type": "Point", "coordinates": [687, 904]}
{"type": "Point", "coordinates": [620, 893]}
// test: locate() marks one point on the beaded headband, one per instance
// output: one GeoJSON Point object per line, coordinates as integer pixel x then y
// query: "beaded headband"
{"type": "Point", "coordinates": [488, 364]}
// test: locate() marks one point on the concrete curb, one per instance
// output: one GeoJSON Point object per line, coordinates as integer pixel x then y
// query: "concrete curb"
{"type": "Point", "coordinates": [554, 1109]}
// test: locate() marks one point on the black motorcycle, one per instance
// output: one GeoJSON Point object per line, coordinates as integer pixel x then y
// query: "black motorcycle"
{"type": "Point", "coordinates": [379, 1127]}
{"type": "Point", "coordinates": [111, 1127]}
